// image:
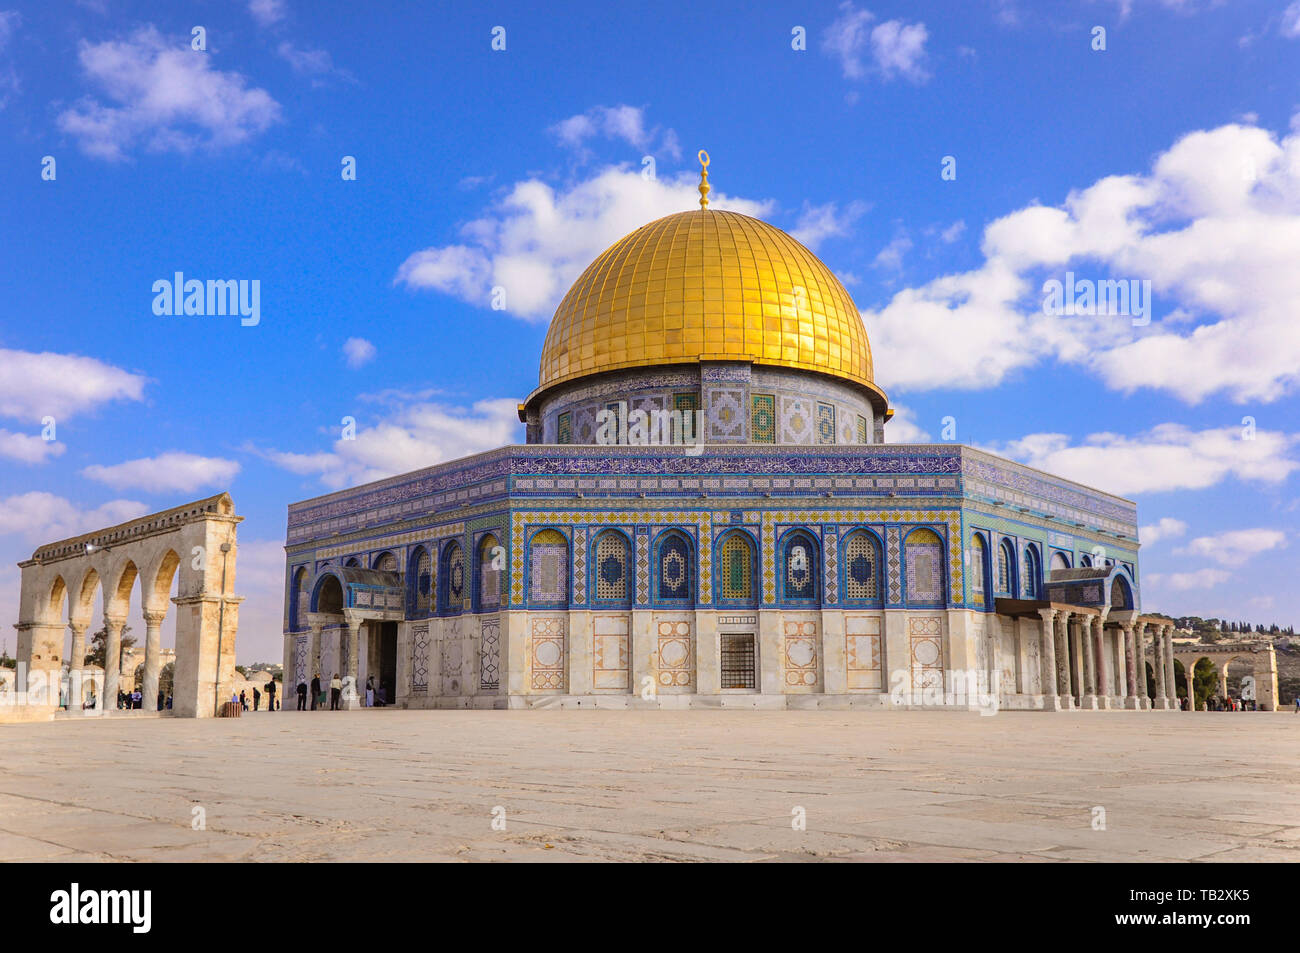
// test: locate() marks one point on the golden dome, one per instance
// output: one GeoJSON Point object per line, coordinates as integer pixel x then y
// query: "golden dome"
{"type": "Point", "coordinates": [706, 285]}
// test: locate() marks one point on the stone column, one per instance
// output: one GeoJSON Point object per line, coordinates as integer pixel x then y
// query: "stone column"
{"type": "Point", "coordinates": [112, 660]}
{"type": "Point", "coordinates": [77, 663]}
{"type": "Point", "coordinates": [1140, 665]}
{"type": "Point", "coordinates": [1064, 683]}
{"type": "Point", "coordinates": [1134, 679]}
{"type": "Point", "coordinates": [349, 647]}
{"type": "Point", "coordinates": [1105, 663]}
{"type": "Point", "coordinates": [1168, 633]}
{"type": "Point", "coordinates": [1088, 670]}
{"type": "Point", "coordinates": [1047, 678]}
{"type": "Point", "coordinates": [152, 649]}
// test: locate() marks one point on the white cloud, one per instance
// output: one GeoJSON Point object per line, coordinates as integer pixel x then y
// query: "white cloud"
{"type": "Point", "coordinates": [1164, 528]}
{"type": "Point", "coordinates": [268, 12]}
{"type": "Point", "coordinates": [411, 436]}
{"type": "Point", "coordinates": [358, 351]}
{"type": "Point", "coordinates": [1215, 228]}
{"type": "Point", "coordinates": [1167, 457]}
{"type": "Point", "coordinates": [1290, 25]}
{"type": "Point", "coordinates": [953, 231]}
{"type": "Point", "coordinates": [10, 21]}
{"type": "Point", "coordinates": [174, 471]}
{"type": "Point", "coordinates": [903, 428]}
{"type": "Point", "coordinates": [891, 49]}
{"type": "Point", "coordinates": [535, 241]}
{"type": "Point", "coordinates": [622, 122]}
{"type": "Point", "coordinates": [35, 385]}
{"type": "Point", "coordinates": [164, 96]}
{"type": "Point", "coordinates": [28, 448]}
{"type": "Point", "coordinates": [1183, 581]}
{"type": "Point", "coordinates": [316, 64]}
{"type": "Point", "coordinates": [820, 222]}
{"type": "Point", "coordinates": [890, 257]}
{"type": "Point", "coordinates": [41, 518]}
{"type": "Point", "coordinates": [1234, 547]}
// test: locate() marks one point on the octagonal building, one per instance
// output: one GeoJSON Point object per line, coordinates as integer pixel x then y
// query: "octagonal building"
{"type": "Point", "coordinates": [706, 513]}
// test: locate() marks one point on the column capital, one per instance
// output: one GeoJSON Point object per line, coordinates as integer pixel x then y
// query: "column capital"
{"type": "Point", "coordinates": [154, 618]}
{"type": "Point", "coordinates": [1047, 615]}
{"type": "Point", "coordinates": [79, 628]}
{"type": "Point", "coordinates": [114, 622]}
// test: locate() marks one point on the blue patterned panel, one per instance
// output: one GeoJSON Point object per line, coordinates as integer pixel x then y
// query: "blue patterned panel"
{"type": "Point", "coordinates": [800, 571]}
{"type": "Point", "coordinates": [825, 423]}
{"type": "Point", "coordinates": [611, 567]}
{"type": "Point", "coordinates": [861, 568]}
{"type": "Point", "coordinates": [674, 569]}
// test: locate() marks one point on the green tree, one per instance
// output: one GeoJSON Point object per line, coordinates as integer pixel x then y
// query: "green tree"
{"type": "Point", "coordinates": [96, 654]}
{"type": "Point", "coordinates": [1205, 681]}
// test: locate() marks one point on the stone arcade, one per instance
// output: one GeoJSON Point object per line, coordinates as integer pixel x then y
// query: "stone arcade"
{"type": "Point", "coordinates": [195, 542]}
{"type": "Point", "coordinates": [797, 561]}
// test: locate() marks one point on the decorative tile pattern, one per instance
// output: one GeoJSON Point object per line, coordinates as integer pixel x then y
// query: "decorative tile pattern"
{"type": "Point", "coordinates": [420, 659]}
{"type": "Point", "coordinates": [547, 651]}
{"type": "Point", "coordinates": [925, 636]}
{"type": "Point", "coordinates": [489, 573]}
{"type": "Point", "coordinates": [580, 564]}
{"type": "Point", "coordinates": [830, 548]}
{"type": "Point", "coordinates": [548, 568]}
{"type": "Point", "coordinates": [862, 653]}
{"type": "Point", "coordinates": [564, 428]}
{"type": "Point", "coordinates": [796, 420]}
{"type": "Point", "coordinates": [610, 652]}
{"type": "Point", "coordinates": [893, 565]}
{"type": "Point", "coordinates": [725, 413]}
{"type": "Point", "coordinates": [300, 645]}
{"type": "Point", "coordinates": [825, 423]}
{"type": "Point", "coordinates": [864, 430]}
{"type": "Point", "coordinates": [611, 567]}
{"type": "Point", "coordinates": [423, 589]}
{"type": "Point", "coordinates": [924, 559]}
{"type": "Point", "coordinates": [675, 569]}
{"type": "Point", "coordinates": [800, 569]}
{"type": "Point", "coordinates": [800, 654]}
{"type": "Point", "coordinates": [861, 567]}
{"type": "Point", "coordinates": [642, 566]}
{"type": "Point", "coordinates": [686, 402]}
{"type": "Point", "coordinates": [489, 660]}
{"type": "Point", "coordinates": [737, 568]}
{"type": "Point", "coordinates": [455, 575]}
{"type": "Point", "coordinates": [979, 568]}
{"type": "Point", "coordinates": [676, 649]}
{"type": "Point", "coordinates": [762, 419]}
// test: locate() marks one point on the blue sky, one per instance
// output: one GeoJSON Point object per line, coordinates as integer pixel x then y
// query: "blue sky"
{"type": "Point", "coordinates": [1173, 155]}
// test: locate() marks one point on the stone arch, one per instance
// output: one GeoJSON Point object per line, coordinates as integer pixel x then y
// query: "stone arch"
{"type": "Point", "coordinates": [299, 600]}
{"type": "Point", "coordinates": [451, 578]}
{"type": "Point", "coordinates": [327, 596]}
{"type": "Point", "coordinates": [118, 586]}
{"type": "Point", "coordinates": [1059, 561]}
{"type": "Point", "coordinates": [421, 586]}
{"type": "Point", "coordinates": [1121, 592]}
{"type": "Point", "coordinates": [156, 582]}
{"type": "Point", "coordinates": [385, 561]}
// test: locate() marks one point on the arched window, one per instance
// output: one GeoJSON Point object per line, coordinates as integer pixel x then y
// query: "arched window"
{"type": "Point", "coordinates": [385, 562]}
{"type": "Point", "coordinates": [1121, 596]}
{"type": "Point", "coordinates": [491, 560]}
{"type": "Point", "coordinates": [676, 567]}
{"type": "Point", "coordinates": [1006, 569]}
{"type": "Point", "coordinates": [351, 561]}
{"type": "Point", "coordinates": [1060, 561]}
{"type": "Point", "coordinates": [299, 601]}
{"type": "Point", "coordinates": [548, 568]}
{"type": "Point", "coordinates": [452, 588]}
{"type": "Point", "coordinates": [861, 558]}
{"type": "Point", "coordinates": [419, 586]}
{"type": "Point", "coordinates": [612, 567]}
{"type": "Point", "coordinates": [923, 555]}
{"type": "Point", "coordinates": [1032, 587]}
{"type": "Point", "coordinates": [1085, 560]}
{"type": "Point", "coordinates": [736, 568]}
{"type": "Point", "coordinates": [979, 568]}
{"type": "Point", "coordinates": [799, 567]}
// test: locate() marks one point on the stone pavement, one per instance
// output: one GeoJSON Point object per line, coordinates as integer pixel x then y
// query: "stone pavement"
{"type": "Point", "coordinates": [655, 785]}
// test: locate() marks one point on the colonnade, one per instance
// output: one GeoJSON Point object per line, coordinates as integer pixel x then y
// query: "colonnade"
{"type": "Point", "coordinates": [1081, 669]}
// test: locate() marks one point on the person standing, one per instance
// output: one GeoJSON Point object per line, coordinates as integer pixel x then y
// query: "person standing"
{"type": "Point", "coordinates": [336, 689]}
{"type": "Point", "coordinates": [257, 698]}
{"type": "Point", "coordinates": [370, 692]}
{"type": "Point", "coordinates": [243, 700]}
{"type": "Point", "coordinates": [270, 695]}
{"type": "Point", "coordinates": [315, 690]}
{"type": "Point", "coordinates": [302, 696]}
